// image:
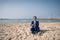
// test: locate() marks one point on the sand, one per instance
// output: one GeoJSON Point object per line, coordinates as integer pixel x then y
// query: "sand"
{"type": "Point", "coordinates": [21, 31]}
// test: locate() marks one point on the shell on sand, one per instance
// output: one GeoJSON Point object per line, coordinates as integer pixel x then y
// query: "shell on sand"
{"type": "Point", "coordinates": [21, 31]}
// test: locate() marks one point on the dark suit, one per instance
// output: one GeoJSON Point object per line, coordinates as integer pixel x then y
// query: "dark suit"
{"type": "Point", "coordinates": [35, 29]}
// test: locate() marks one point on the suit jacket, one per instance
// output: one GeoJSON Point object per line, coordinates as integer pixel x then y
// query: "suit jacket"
{"type": "Point", "coordinates": [37, 23]}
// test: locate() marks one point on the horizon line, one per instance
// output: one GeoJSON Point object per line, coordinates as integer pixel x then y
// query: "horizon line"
{"type": "Point", "coordinates": [30, 19]}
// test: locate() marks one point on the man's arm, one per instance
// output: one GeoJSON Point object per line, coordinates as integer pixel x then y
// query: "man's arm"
{"type": "Point", "coordinates": [32, 24]}
{"type": "Point", "coordinates": [38, 23]}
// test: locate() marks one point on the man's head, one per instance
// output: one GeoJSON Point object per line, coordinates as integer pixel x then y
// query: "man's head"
{"type": "Point", "coordinates": [34, 18]}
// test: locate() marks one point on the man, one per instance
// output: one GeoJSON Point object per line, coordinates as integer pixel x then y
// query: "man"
{"type": "Point", "coordinates": [35, 25]}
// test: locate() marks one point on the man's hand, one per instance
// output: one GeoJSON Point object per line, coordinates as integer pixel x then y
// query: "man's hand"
{"type": "Point", "coordinates": [32, 24]}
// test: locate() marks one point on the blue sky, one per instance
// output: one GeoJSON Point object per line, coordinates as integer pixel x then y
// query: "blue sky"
{"type": "Point", "coordinates": [27, 9]}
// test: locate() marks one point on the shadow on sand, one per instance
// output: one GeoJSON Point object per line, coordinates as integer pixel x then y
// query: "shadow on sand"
{"type": "Point", "coordinates": [44, 31]}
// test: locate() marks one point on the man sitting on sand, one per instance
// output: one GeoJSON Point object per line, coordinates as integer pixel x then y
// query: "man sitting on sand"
{"type": "Point", "coordinates": [35, 25]}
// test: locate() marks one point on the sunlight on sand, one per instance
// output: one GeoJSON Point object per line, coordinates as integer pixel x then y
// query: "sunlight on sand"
{"type": "Point", "coordinates": [21, 31]}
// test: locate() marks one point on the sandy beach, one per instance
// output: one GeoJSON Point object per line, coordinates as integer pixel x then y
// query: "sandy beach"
{"type": "Point", "coordinates": [21, 31]}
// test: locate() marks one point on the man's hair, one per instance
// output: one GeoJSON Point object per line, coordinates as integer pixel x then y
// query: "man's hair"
{"type": "Point", "coordinates": [35, 16]}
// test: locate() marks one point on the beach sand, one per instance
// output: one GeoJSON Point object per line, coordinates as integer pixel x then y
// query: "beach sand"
{"type": "Point", "coordinates": [21, 31]}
